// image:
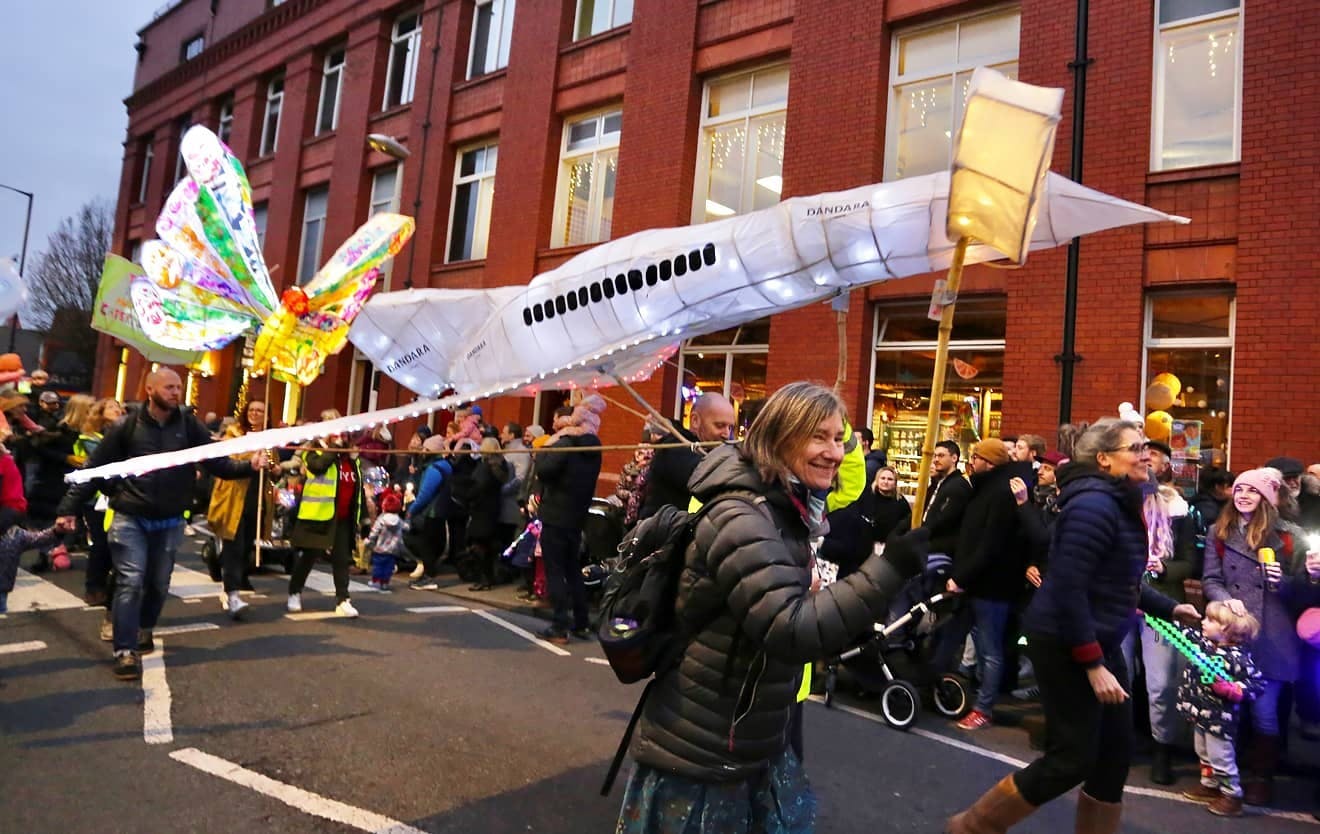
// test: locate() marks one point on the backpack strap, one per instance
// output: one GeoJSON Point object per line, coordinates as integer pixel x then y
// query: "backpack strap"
{"type": "Point", "coordinates": [622, 752]}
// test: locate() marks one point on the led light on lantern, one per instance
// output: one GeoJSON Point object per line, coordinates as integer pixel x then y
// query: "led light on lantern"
{"type": "Point", "coordinates": [1001, 156]}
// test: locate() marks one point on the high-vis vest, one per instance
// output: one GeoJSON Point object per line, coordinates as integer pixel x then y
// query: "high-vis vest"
{"type": "Point", "coordinates": [318, 496]}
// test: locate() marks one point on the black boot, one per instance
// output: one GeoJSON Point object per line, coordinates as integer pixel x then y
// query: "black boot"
{"type": "Point", "coordinates": [1161, 764]}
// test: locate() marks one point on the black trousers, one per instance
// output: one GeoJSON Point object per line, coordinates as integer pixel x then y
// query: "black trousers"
{"type": "Point", "coordinates": [456, 526]}
{"type": "Point", "coordinates": [234, 552]}
{"type": "Point", "coordinates": [428, 540]}
{"type": "Point", "coordinates": [341, 556]}
{"type": "Point", "coordinates": [563, 575]}
{"type": "Point", "coordinates": [1086, 743]}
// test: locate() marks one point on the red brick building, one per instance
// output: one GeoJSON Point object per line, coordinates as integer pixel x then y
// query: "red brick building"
{"type": "Point", "coordinates": [537, 129]}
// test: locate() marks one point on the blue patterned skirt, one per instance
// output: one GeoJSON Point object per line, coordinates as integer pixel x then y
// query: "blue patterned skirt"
{"type": "Point", "coordinates": [779, 801]}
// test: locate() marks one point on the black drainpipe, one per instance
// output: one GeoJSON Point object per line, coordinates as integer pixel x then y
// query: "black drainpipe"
{"type": "Point", "coordinates": [426, 132]}
{"type": "Point", "coordinates": [1068, 358]}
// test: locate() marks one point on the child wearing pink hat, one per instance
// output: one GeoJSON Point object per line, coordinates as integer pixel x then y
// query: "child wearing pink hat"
{"type": "Point", "coordinates": [1245, 554]}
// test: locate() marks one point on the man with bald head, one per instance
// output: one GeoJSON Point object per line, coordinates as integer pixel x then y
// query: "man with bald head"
{"type": "Point", "coordinates": [148, 510]}
{"type": "Point", "coordinates": [712, 419]}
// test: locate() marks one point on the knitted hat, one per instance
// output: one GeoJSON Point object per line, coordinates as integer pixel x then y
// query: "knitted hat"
{"type": "Point", "coordinates": [1263, 481]}
{"type": "Point", "coordinates": [1055, 459]}
{"type": "Point", "coordinates": [390, 502]}
{"type": "Point", "coordinates": [993, 450]}
{"type": "Point", "coordinates": [587, 413]}
{"type": "Point", "coordinates": [1308, 627]}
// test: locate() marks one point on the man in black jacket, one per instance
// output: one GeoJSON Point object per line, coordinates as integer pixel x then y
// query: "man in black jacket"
{"type": "Point", "coordinates": [712, 419]}
{"type": "Point", "coordinates": [568, 483]}
{"type": "Point", "coordinates": [990, 565]}
{"type": "Point", "coordinates": [946, 499]}
{"type": "Point", "coordinates": [148, 510]}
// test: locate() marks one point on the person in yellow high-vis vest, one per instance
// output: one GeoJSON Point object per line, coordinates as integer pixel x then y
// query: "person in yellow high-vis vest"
{"type": "Point", "coordinates": [332, 508]}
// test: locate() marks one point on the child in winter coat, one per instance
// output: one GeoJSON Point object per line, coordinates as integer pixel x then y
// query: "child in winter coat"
{"type": "Point", "coordinates": [14, 542]}
{"type": "Point", "coordinates": [1213, 707]}
{"type": "Point", "coordinates": [386, 540]}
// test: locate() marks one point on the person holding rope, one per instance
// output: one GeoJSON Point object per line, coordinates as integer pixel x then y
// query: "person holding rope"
{"type": "Point", "coordinates": [232, 514]}
{"type": "Point", "coordinates": [148, 521]}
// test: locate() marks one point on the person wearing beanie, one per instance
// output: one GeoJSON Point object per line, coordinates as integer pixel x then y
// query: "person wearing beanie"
{"type": "Point", "coordinates": [386, 540]}
{"type": "Point", "coordinates": [1245, 557]}
{"type": "Point", "coordinates": [989, 566]}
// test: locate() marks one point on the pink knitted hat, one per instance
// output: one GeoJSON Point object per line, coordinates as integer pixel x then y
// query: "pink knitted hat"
{"type": "Point", "coordinates": [1264, 481]}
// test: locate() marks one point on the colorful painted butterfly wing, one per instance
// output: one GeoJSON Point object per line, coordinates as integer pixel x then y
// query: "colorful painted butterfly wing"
{"type": "Point", "coordinates": [342, 286]}
{"type": "Point", "coordinates": [183, 321]}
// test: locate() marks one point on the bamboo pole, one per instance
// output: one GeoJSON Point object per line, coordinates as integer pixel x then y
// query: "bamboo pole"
{"type": "Point", "coordinates": [952, 284]}
{"type": "Point", "coordinates": [656, 416]}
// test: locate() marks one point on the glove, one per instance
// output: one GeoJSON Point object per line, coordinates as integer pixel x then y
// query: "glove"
{"type": "Point", "coordinates": [1228, 690]}
{"type": "Point", "coordinates": [906, 552]}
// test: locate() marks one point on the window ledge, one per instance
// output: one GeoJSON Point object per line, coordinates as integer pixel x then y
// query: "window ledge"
{"type": "Point", "coordinates": [576, 249]}
{"type": "Point", "coordinates": [263, 158]}
{"type": "Point", "coordinates": [478, 80]}
{"type": "Point", "coordinates": [385, 114]}
{"type": "Point", "coordinates": [318, 138]}
{"type": "Point", "coordinates": [616, 32]}
{"type": "Point", "coordinates": [457, 266]}
{"type": "Point", "coordinates": [1202, 172]}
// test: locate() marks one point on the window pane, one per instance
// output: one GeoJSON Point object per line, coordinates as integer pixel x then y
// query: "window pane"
{"type": "Point", "coordinates": [727, 149]}
{"type": "Point", "coordinates": [465, 215]}
{"type": "Point", "coordinates": [610, 163]}
{"type": "Point", "coordinates": [927, 51]}
{"type": "Point", "coordinates": [311, 250]}
{"type": "Point", "coordinates": [1199, 96]}
{"type": "Point", "coordinates": [767, 178]}
{"type": "Point", "coordinates": [491, 155]}
{"type": "Point", "coordinates": [729, 97]}
{"type": "Point", "coordinates": [623, 12]}
{"type": "Point", "coordinates": [383, 186]}
{"type": "Point", "coordinates": [613, 124]}
{"type": "Point", "coordinates": [577, 217]}
{"type": "Point", "coordinates": [481, 35]}
{"type": "Point", "coordinates": [582, 134]}
{"type": "Point", "coordinates": [977, 319]}
{"type": "Point", "coordinates": [770, 87]}
{"type": "Point", "coordinates": [754, 333]}
{"type": "Point", "coordinates": [405, 24]}
{"type": "Point", "coordinates": [316, 201]}
{"type": "Point", "coordinates": [1206, 379]}
{"type": "Point", "coordinates": [1172, 10]}
{"type": "Point", "coordinates": [467, 163]}
{"type": "Point", "coordinates": [259, 218]}
{"type": "Point", "coordinates": [1190, 317]}
{"type": "Point", "coordinates": [986, 39]}
{"type": "Point", "coordinates": [925, 120]}
{"type": "Point", "coordinates": [506, 35]}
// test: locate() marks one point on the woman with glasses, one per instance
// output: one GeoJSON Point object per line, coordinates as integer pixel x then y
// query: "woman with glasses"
{"type": "Point", "coordinates": [1075, 625]}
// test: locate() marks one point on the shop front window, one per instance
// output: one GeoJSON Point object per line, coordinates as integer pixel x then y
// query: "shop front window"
{"type": "Point", "coordinates": [904, 363]}
{"type": "Point", "coordinates": [730, 362]}
{"type": "Point", "coordinates": [1189, 376]}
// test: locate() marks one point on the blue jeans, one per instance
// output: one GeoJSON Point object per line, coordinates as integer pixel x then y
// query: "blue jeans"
{"type": "Point", "coordinates": [1265, 709]}
{"type": "Point", "coordinates": [1164, 665]}
{"type": "Point", "coordinates": [988, 637]}
{"type": "Point", "coordinates": [143, 563]}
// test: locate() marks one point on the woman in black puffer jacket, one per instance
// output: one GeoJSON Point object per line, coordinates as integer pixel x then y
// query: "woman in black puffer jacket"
{"type": "Point", "coordinates": [1075, 625]}
{"type": "Point", "coordinates": [712, 749]}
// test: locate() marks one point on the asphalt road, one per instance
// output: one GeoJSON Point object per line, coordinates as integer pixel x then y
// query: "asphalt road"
{"type": "Point", "coordinates": [435, 722]}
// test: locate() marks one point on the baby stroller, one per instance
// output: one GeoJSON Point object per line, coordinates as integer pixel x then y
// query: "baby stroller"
{"type": "Point", "coordinates": [896, 663]}
{"type": "Point", "coordinates": [601, 534]}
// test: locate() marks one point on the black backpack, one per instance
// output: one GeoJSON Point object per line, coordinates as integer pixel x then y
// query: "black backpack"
{"type": "Point", "coordinates": [639, 629]}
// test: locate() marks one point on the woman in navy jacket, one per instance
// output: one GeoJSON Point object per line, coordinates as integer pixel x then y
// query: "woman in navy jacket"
{"type": "Point", "coordinates": [1075, 624]}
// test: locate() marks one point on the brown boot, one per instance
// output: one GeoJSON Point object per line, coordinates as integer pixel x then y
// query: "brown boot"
{"type": "Point", "coordinates": [1262, 759]}
{"type": "Point", "coordinates": [1202, 793]}
{"type": "Point", "coordinates": [994, 813]}
{"type": "Point", "coordinates": [1096, 817]}
{"type": "Point", "coordinates": [1225, 806]}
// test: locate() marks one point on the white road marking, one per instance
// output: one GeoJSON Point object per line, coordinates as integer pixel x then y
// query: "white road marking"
{"type": "Point", "coordinates": [521, 632]}
{"type": "Point", "coordinates": [598, 660]}
{"type": "Point", "coordinates": [32, 593]}
{"type": "Point", "coordinates": [302, 616]}
{"type": "Point", "coordinates": [184, 628]}
{"type": "Point", "coordinates": [192, 601]}
{"type": "Point", "coordinates": [1153, 793]}
{"type": "Point", "coordinates": [156, 727]}
{"type": "Point", "coordinates": [324, 583]}
{"type": "Point", "coordinates": [18, 648]}
{"type": "Point", "coordinates": [438, 609]}
{"type": "Point", "coordinates": [188, 584]}
{"type": "Point", "coordinates": [294, 797]}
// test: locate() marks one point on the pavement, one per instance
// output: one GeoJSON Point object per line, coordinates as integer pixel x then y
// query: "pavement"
{"type": "Point", "coordinates": [433, 712]}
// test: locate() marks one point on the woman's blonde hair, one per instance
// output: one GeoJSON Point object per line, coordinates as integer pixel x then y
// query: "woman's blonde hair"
{"type": "Point", "coordinates": [1237, 629]}
{"type": "Point", "coordinates": [875, 483]}
{"type": "Point", "coordinates": [1258, 528]}
{"type": "Point", "coordinates": [330, 414]}
{"type": "Point", "coordinates": [490, 444]}
{"type": "Point", "coordinates": [96, 421]}
{"type": "Point", "coordinates": [76, 411]}
{"type": "Point", "coordinates": [786, 424]}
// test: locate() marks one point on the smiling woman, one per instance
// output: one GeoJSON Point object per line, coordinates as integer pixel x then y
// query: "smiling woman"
{"type": "Point", "coordinates": [721, 753]}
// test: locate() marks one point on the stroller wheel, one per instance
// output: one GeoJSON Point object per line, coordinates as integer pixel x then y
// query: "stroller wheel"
{"type": "Point", "coordinates": [952, 699]}
{"type": "Point", "coordinates": [900, 704]}
{"type": "Point", "coordinates": [831, 681]}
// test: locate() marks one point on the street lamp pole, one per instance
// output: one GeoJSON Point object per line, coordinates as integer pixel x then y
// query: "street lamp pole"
{"type": "Point", "coordinates": [22, 259]}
